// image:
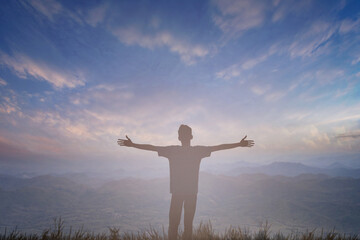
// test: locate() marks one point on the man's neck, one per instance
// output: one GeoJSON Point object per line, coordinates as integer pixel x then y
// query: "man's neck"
{"type": "Point", "coordinates": [185, 144]}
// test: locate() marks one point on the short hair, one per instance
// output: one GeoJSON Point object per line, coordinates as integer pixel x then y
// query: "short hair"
{"type": "Point", "coordinates": [185, 130]}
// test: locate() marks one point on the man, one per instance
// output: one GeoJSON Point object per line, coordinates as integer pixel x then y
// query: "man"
{"type": "Point", "coordinates": [184, 164]}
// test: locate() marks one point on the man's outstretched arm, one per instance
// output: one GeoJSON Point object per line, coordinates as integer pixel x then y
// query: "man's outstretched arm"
{"type": "Point", "coordinates": [128, 143]}
{"type": "Point", "coordinates": [242, 143]}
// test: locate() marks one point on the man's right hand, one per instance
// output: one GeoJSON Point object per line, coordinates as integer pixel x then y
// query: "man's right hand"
{"type": "Point", "coordinates": [125, 142]}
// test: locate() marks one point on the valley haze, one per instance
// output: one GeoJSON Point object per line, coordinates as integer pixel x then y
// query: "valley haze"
{"type": "Point", "coordinates": [307, 198]}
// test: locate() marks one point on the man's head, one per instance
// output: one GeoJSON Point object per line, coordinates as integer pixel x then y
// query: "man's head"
{"type": "Point", "coordinates": [185, 133]}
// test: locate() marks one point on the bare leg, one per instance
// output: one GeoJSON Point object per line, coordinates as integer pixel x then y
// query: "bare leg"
{"type": "Point", "coordinates": [189, 213]}
{"type": "Point", "coordinates": [175, 216]}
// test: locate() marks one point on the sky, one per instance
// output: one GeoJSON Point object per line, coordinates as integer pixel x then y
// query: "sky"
{"type": "Point", "coordinates": [77, 75]}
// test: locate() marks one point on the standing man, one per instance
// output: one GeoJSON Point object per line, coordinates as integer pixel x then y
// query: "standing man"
{"type": "Point", "coordinates": [184, 164]}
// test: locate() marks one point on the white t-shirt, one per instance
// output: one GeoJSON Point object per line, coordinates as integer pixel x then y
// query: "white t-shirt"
{"type": "Point", "coordinates": [184, 165]}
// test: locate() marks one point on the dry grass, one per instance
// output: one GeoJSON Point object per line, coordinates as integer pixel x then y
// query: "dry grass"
{"type": "Point", "coordinates": [202, 232]}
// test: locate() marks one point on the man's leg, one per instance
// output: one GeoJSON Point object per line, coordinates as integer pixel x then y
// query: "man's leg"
{"type": "Point", "coordinates": [175, 215]}
{"type": "Point", "coordinates": [189, 213]}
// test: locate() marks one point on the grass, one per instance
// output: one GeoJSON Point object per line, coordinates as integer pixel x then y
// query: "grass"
{"type": "Point", "coordinates": [202, 232]}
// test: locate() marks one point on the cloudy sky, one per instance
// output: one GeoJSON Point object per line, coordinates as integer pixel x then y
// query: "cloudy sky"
{"type": "Point", "coordinates": [77, 75]}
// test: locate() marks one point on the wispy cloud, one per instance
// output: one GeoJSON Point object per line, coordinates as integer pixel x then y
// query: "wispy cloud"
{"type": "Point", "coordinates": [2, 82]}
{"type": "Point", "coordinates": [96, 15]}
{"type": "Point", "coordinates": [315, 138]}
{"type": "Point", "coordinates": [354, 135]}
{"type": "Point", "coordinates": [234, 16]}
{"type": "Point", "coordinates": [229, 72]}
{"type": "Point", "coordinates": [49, 8]}
{"type": "Point", "coordinates": [324, 77]}
{"type": "Point", "coordinates": [52, 9]}
{"type": "Point", "coordinates": [349, 25]}
{"type": "Point", "coordinates": [314, 40]}
{"type": "Point", "coordinates": [188, 53]}
{"type": "Point", "coordinates": [25, 67]}
{"type": "Point", "coordinates": [355, 61]}
{"type": "Point", "coordinates": [8, 106]}
{"type": "Point", "coordinates": [235, 70]}
{"type": "Point", "coordinates": [275, 96]}
{"type": "Point", "coordinates": [310, 85]}
{"type": "Point", "coordinates": [268, 95]}
{"type": "Point", "coordinates": [259, 90]}
{"type": "Point", "coordinates": [318, 38]}
{"type": "Point", "coordinates": [284, 8]}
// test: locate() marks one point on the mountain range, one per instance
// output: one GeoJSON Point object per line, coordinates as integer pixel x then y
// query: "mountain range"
{"type": "Point", "coordinates": [289, 204]}
{"type": "Point", "coordinates": [294, 169]}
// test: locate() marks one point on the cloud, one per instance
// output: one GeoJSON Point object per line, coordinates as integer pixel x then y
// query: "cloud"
{"type": "Point", "coordinates": [96, 15]}
{"type": "Point", "coordinates": [103, 95]}
{"type": "Point", "coordinates": [188, 53]}
{"type": "Point", "coordinates": [318, 37]}
{"type": "Point", "coordinates": [235, 17]}
{"type": "Point", "coordinates": [235, 70]}
{"type": "Point", "coordinates": [49, 8]}
{"type": "Point", "coordinates": [349, 25]}
{"type": "Point", "coordinates": [313, 41]}
{"type": "Point", "coordinates": [2, 82]}
{"type": "Point", "coordinates": [324, 77]}
{"type": "Point", "coordinates": [11, 152]}
{"type": "Point", "coordinates": [8, 106]}
{"type": "Point", "coordinates": [274, 96]}
{"type": "Point", "coordinates": [287, 7]}
{"type": "Point", "coordinates": [342, 117]}
{"type": "Point", "coordinates": [94, 128]}
{"type": "Point", "coordinates": [268, 95]}
{"type": "Point", "coordinates": [259, 90]}
{"type": "Point", "coordinates": [354, 135]}
{"type": "Point", "coordinates": [230, 72]}
{"type": "Point", "coordinates": [355, 61]}
{"type": "Point", "coordinates": [253, 62]}
{"type": "Point", "coordinates": [66, 129]}
{"type": "Point", "coordinates": [24, 67]}
{"type": "Point", "coordinates": [310, 85]}
{"type": "Point", "coordinates": [52, 9]}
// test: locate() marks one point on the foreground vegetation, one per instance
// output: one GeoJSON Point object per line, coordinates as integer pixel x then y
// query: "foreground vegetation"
{"type": "Point", "coordinates": [202, 232]}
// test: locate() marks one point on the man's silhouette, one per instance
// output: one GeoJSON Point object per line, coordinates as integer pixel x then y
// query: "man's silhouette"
{"type": "Point", "coordinates": [184, 164]}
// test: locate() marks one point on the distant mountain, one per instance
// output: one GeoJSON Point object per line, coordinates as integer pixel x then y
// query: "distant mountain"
{"type": "Point", "coordinates": [295, 169]}
{"type": "Point", "coordinates": [307, 201]}
{"type": "Point", "coordinates": [8, 182]}
{"type": "Point", "coordinates": [338, 165]}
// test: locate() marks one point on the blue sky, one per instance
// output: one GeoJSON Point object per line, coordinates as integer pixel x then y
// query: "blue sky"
{"type": "Point", "coordinates": [77, 75]}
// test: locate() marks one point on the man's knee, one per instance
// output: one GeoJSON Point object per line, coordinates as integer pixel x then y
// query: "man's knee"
{"type": "Point", "coordinates": [190, 205]}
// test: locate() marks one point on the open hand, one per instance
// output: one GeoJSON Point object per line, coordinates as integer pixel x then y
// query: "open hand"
{"type": "Point", "coordinates": [246, 143]}
{"type": "Point", "coordinates": [125, 142]}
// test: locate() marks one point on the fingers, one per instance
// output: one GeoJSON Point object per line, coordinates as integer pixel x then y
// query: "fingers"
{"type": "Point", "coordinates": [244, 138]}
{"type": "Point", "coordinates": [250, 143]}
{"type": "Point", "coordinates": [123, 142]}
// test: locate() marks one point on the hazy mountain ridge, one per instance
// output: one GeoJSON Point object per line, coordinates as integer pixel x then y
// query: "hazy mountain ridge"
{"type": "Point", "coordinates": [288, 203]}
{"type": "Point", "coordinates": [294, 169]}
{"type": "Point", "coordinates": [97, 178]}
